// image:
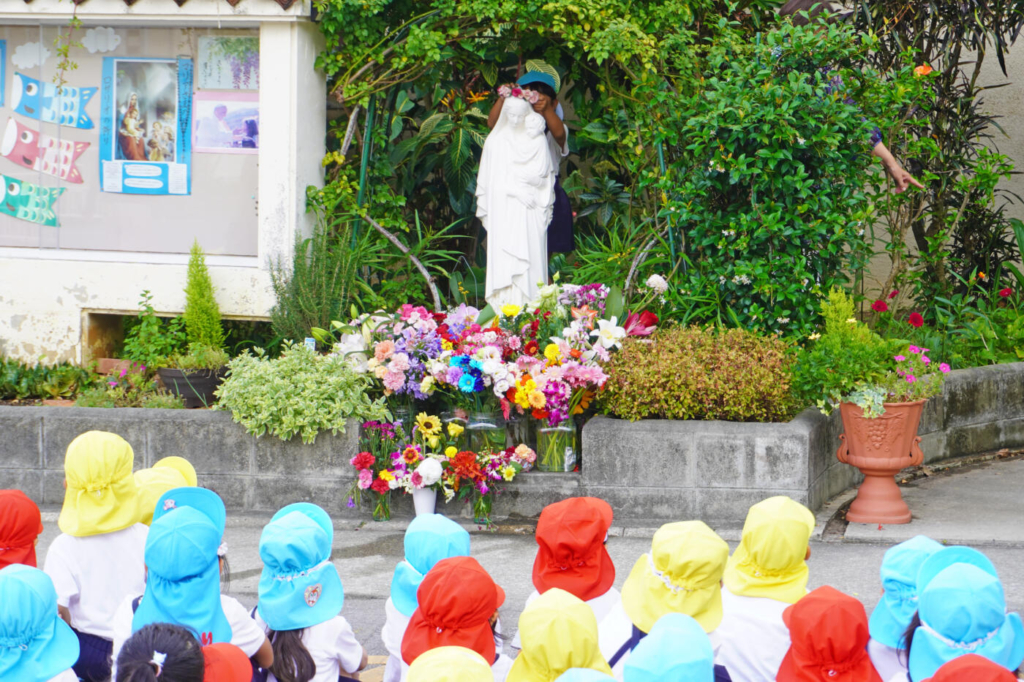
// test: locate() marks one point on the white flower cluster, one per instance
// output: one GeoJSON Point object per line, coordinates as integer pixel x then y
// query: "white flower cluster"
{"type": "Point", "coordinates": [657, 284]}
{"type": "Point", "coordinates": [741, 279]}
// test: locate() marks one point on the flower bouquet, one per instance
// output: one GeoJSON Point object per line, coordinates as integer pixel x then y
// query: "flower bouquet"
{"type": "Point", "coordinates": [377, 440]}
{"type": "Point", "coordinates": [472, 476]}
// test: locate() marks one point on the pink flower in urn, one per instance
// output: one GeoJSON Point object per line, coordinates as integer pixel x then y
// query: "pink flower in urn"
{"type": "Point", "coordinates": [914, 349]}
{"type": "Point", "coordinates": [925, 359]}
{"type": "Point", "coordinates": [911, 378]}
{"type": "Point", "coordinates": [365, 479]}
{"type": "Point", "coordinates": [944, 368]}
{"type": "Point", "coordinates": [899, 358]}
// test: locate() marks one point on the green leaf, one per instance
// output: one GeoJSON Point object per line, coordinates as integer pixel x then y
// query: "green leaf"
{"type": "Point", "coordinates": [459, 151]}
{"type": "Point", "coordinates": [428, 126]}
{"type": "Point", "coordinates": [614, 305]}
{"type": "Point", "coordinates": [485, 316]}
{"type": "Point", "coordinates": [544, 67]}
{"type": "Point", "coordinates": [489, 70]}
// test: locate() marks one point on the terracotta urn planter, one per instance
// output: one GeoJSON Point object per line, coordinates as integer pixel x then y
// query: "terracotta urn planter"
{"type": "Point", "coordinates": [880, 448]}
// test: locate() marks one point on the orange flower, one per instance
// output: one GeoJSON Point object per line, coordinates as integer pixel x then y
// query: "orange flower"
{"type": "Point", "coordinates": [922, 70]}
{"type": "Point", "coordinates": [475, 97]}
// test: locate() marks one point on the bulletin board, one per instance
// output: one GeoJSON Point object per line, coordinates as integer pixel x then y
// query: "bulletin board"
{"type": "Point", "coordinates": [106, 161]}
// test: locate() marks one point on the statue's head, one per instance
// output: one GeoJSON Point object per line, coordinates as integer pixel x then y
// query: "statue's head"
{"type": "Point", "coordinates": [535, 124]}
{"type": "Point", "coordinates": [515, 110]}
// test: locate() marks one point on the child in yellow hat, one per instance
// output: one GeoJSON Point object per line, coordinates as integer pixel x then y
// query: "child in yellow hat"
{"type": "Point", "coordinates": [766, 573]}
{"type": "Point", "coordinates": [97, 560]}
{"type": "Point", "coordinates": [558, 632]}
{"type": "Point", "coordinates": [167, 474]}
{"type": "Point", "coordinates": [681, 574]}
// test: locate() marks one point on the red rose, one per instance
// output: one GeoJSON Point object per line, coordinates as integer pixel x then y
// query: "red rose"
{"type": "Point", "coordinates": [894, 294]}
{"type": "Point", "coordinates": [364, 460]}
{"type": "Point", "coordinates": [379, 486]}
{"type": "Point", "coordinates": [880, 306]}
{"type": "Point", "coordinates": [1005, 292]}
{"type": "Point", "coordinates": [915, 320]}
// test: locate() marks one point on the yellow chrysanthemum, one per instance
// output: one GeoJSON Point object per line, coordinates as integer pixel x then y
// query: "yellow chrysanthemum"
{"type": "Point", "coordinates": [446, 345]}
{"type": "Point", "coordinates": [386, 475]}
{"type": "Point", "coordinates": [450, 451]}
{"type": "Point", "coordinates": [429, 424]}
{"type": "Point", "coordinates": [508, 473]}
{"type": "Point", "coordinates": [455, 429]}
{"type": "Point", "coordinates": [551, 352]}
{"type": "Point", "coordinates": [510, 310]}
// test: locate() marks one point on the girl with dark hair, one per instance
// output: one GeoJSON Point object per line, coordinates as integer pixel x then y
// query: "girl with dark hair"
{"type": "Point", "coordinates": [300, 595]}
{"type": "Point", "coordinates": [160, 652]}
{"type": "Point", "coordinates": [804, 12]}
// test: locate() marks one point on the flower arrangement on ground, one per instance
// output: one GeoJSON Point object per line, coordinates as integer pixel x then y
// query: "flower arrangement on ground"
{"type": "Point", "coordinates": [475, 476]}
{"type": "Point", "coordinates": [914, 377]}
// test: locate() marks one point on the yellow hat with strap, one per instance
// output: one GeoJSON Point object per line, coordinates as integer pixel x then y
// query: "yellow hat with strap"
{"type": "Point", "coordinates": [101, 495]}
{"type": "Point", "coordinates": [152, 483]}
{"type": "Point", "coordinates": [450, 664]}
{"type": "Point", "coordinates": [681, 574]}
{"type": "Point", "coordinates": [182, 466]}
{"type": "Point", "coordinates": [558, 632]}
{"type": "Point", "coordinates": [770, 560]}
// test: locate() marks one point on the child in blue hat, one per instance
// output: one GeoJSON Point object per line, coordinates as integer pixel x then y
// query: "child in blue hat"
{"type": "Point", "coordinates": [35, 644]}
{"type": "Point", "coordinates": [896, 609]}
{"type": "Point", "coordinates": [961, 610]}
{"type": "Point", "coordinates": [300, 595]}
{"type": "Point", "coordinates": [677, 648]}
{"type": "Point", "coordinates": [429, 539]}
{"type": "Point", "coordinates": [163, 652]}
{"type": "Point", "coordinates": [183, 578]}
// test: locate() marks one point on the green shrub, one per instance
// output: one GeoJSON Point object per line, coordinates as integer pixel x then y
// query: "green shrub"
{"type": "Point", "coordinates": [131, 388]}
{"type": "Point", "coordinates": [21, 381]}
{"type": "Point", "coordinates": [695, 373]}
{"type": "Point", "coordinates": [198, 357]}
{"type": "Point", "coordinates": [300, 392]}
{"type": "Point", "coordinates": [148, 339]}
{"type": "Point", "coordinates": [202, 316]}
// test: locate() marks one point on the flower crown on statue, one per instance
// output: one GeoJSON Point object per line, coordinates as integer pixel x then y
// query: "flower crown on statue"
{"type": "Point", "coordinates": [510, 90]}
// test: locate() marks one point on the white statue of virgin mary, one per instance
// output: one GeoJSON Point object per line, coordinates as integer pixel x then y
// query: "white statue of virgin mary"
{"type": "Point", "coordinates": [514, 199]}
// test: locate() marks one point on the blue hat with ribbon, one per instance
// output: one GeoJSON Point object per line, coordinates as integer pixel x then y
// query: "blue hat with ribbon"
{"type": "Point", "coordinates": [429, 538]}
{"type": "Point", "coordinates": [537, 77]}
{"type": "Point", "coordinates": [299, 586]}
{"type": "Point", "coordinates": [206, 501]}
{"type": "Point", "coordinates": [963, 611]}
{"type": "Point", "coordinates": [35, 644]}
{"type": "Point", "coordinates": [584, 675]}
{"type": "Point", "coordinates": [677, 648]}
{"type": "Point", "coordinates": [900, 566]}
{"type": "Point", "coordinates": [183, 582]}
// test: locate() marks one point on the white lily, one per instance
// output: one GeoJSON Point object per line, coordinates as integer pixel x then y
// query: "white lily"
{"type": "Point", "coordinates": [608, 333]}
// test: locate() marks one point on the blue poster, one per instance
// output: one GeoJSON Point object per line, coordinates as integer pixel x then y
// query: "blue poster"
{"type": "Point", "coordinates": [145, 126]}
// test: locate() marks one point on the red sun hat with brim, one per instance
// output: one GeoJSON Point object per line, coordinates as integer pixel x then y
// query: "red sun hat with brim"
{"type": "Point", "coordinates": [225, 662]}
{"type": "Point", "coordinates": [972, 668]}
{"type": "Point", "coordinates": [829, 635]}
{"type": "Point", "coordinates": [456, 601]}
{"type": "Point", "coordinates": [20, 525]}
{"type": "Point", "coordinates": [571, 554]}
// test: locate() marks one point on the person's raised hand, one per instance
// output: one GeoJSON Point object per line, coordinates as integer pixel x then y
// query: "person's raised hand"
{"type": "Point", "coordinates": [542, 104]}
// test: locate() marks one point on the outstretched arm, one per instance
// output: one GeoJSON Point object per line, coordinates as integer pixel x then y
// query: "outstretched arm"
{"type": "Point", "coordinates": [495, 113]}
{"type": "Point", "coordinates": [899, 175]}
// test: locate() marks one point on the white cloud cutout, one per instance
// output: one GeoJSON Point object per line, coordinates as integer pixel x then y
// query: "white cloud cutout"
{"type": "Point", "coordinates": [101, 40]}
{"type": "Point", "coordinates": [30, 55]}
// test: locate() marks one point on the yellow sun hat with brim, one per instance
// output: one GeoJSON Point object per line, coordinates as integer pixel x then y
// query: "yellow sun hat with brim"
{"type": "Point", "coordinates": [182, 466]}
{"type": "Point", "coordinates": [681, 574]}
{"type": "Point", "coordinates": [152, 483]}
{"type": "Point", "coordinates": [558, 631]}
{"type": "Point", "coordinates": [770, 560]}
{"type": "Point", "coordinates": [450, 664]}
{"type": "Point", "coordinates": [101, 495]}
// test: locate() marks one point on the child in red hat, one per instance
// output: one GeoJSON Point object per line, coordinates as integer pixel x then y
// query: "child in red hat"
{"type": "Point", "coordinates": [829, 636]}
{"type": "Point", "coordinates": [973, 668]}
{"type": "Point", "coordinates": [571, 556]}
{"type": "Point", "coordinates": [20, 526]}
{"type": "Point", "coordinates": [458, 606]}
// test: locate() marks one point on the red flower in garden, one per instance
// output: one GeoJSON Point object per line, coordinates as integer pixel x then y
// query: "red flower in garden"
{"type": "Point", "coordinates": [531, 348]}
{"type": "Point", "coordinates": [1005, 292]}
{"type": "Point", "coordinates": [379, 486]}
{"type": "Point", "coordinates": [915, 320]}
{"type": "Point", "coordinates": [364, 460]}
{"type": "Point", "coordinates": [893, 294]}
{"type": "Point", "coordinates": [880, 306]}
{"type": "Point", "coordinates": [642, 324]}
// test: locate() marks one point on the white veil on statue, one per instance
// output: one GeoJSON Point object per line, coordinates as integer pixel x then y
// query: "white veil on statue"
{"type": "Point", "coordinates": [515, 196]}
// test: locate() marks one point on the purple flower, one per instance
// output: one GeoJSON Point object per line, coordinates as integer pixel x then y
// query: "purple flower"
{"type": "Point", "coordinates": [351, 503]}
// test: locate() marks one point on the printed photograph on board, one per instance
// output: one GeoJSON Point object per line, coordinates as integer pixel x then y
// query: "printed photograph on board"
{"type": "Point", "coordinates": [226, 123]}
{"type": "Point", "coordinates": [146, 107]}
{"type": "Point", "coordinates": [228, 63]}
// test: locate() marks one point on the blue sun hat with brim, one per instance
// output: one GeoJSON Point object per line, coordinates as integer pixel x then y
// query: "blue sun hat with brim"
{"type": "Point", "coordinates": [201, 499]}
{"type": "Point", "coordinates": [35, 644]}
{"type": "Point", "coordinates": [963, 611]}
{"type": "Point", "coordinates": [896, 609]}
{"type": "Point", "coordinates": [584, 675]}
{"type": "Point", "coordinates": [183, 580]}
{"type": "Point", "coordinates": [537, 77]}
{"type": "Point", "coordinates": [677, 648]}
{"type": "Point", "coordinates": [428, 539]}
{"type": "Point", "coordinates": [299, 586]}
{"type": "Point", "coordinates": [949, 556]}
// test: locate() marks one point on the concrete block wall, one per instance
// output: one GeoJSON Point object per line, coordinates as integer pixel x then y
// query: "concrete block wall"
{"type": "Point", "coordinates": [650, 471]}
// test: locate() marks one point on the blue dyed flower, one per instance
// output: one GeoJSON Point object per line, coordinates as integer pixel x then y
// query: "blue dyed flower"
{"type": "Point", "coordinates": [467, 383]}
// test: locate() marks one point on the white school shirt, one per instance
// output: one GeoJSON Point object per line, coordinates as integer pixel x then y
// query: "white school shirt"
{"type": "Point", "coordinates": [66, 676]}
{"type": "Point", "coordinates": [616, 629]}
{"type": "Point", "coordinates": [92, 575]}
{"type": "Point", "coordinates": [245, 633]}
{"type": "Point", "coordinates": [554, 150]}
{"type": "Point", "coordinates": [395, 623]}
{"type": "Point", "coordinates": [331, 644]}
{"type": "Point", "coordinates": [887, 661]}
{"type": "Point", "coordinates": [754, 639]}
{"type": "Point", "coordinates": [602, 606]}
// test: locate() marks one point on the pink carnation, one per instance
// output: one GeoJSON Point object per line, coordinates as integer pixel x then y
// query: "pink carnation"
{"type": "Point", "coordinates": [399, 362]}
{"type": "Point", "coordinates": [384, 350]}
{"type": "Point", "coordinates": [365, 479]}
{"type": "Point", "coordinates": [394, 380]}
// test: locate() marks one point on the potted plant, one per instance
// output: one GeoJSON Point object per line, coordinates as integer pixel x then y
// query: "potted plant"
{"type": "Point", "coordinates": [148, 340]}
{"type": "Point", "coordinates": [880, 421]}
{"type": "Point", "coordinates": [195, 375]}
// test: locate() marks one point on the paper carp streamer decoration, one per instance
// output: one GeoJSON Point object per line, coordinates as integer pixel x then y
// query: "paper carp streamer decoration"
{"type": "Point", "coordinates": [26, 201]}
{"type": "Point", "coordinates": [32, 149]}
{"type": "Point", "coordinates": [38, 100]}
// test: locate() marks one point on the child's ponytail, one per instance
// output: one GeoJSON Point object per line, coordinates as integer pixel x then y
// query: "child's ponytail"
{"type": "Point", "coordinates": [160, 653]}
{"type": "Point", "coordinates": [292, 662]}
